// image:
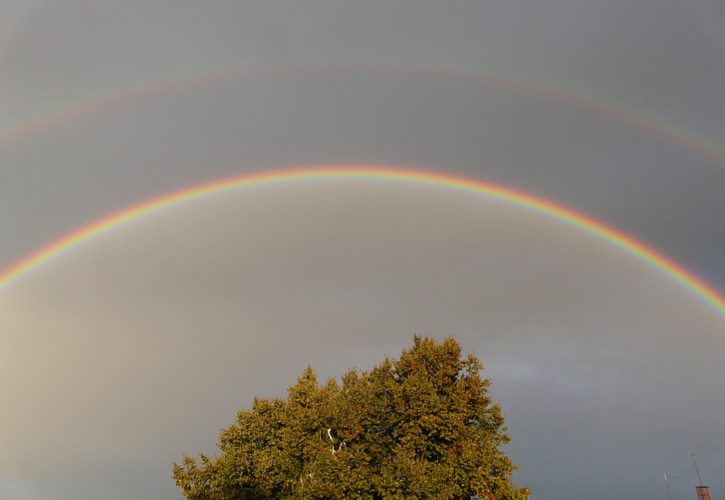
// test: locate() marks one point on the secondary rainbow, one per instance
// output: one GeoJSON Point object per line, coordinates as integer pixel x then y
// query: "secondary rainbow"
{"type": "Point", "coordinates": [615, 237]}
{"type": "Point", "coordinates": [707, 148]}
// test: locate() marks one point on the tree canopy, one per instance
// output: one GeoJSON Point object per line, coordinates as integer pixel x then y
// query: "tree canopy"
{"type": "Point", "coordinates": [420, 426]}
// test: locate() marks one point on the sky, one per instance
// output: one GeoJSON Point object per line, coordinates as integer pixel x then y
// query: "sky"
{"type": "Point", "coordinates": [138, 346]}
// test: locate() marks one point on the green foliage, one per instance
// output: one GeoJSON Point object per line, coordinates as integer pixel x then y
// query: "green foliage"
{"type": "Point", "coordinates": [422, 426]}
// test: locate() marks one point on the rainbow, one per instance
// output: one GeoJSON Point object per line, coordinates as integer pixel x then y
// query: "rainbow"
{"type": "Point", "coordinates": [585, 223]}
{"type": "Point", "coordinates": [704, 147]}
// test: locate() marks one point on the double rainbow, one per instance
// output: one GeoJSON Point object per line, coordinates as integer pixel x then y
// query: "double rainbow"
{"type": "Point", "coordinates": [557, 211]}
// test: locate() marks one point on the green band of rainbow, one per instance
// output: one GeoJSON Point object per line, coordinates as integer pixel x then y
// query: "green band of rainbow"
{"type": "Point", "coordinates": [615, 237]}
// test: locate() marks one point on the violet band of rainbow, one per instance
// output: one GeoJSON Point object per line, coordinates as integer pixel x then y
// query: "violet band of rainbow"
{"type": "Point", "coordinates": [618, 239]}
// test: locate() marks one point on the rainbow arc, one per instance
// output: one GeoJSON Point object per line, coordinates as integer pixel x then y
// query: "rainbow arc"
{"type": "Point", "coordinates": [618, 239]}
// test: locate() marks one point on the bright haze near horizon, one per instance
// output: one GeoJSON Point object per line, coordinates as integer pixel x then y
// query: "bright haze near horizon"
{"type": "Point", "coordinates": [132, 349]}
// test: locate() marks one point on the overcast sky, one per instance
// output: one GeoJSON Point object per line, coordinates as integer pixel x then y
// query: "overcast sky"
{"type": "Point", "coordinates": [137, 347]}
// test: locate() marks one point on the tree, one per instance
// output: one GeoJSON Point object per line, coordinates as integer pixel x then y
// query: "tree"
{"type": "Point", "coordinates": [420, 426]}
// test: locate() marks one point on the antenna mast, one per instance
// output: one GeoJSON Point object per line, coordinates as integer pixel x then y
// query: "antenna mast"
{"type": "Point", "coordinates": [703, 492]}
{"type": "Point", "coordinates": [697, 471]}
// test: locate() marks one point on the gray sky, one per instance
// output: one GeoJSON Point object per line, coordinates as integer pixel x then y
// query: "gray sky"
{"type": "Point", "coordinates": [142, 344]}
